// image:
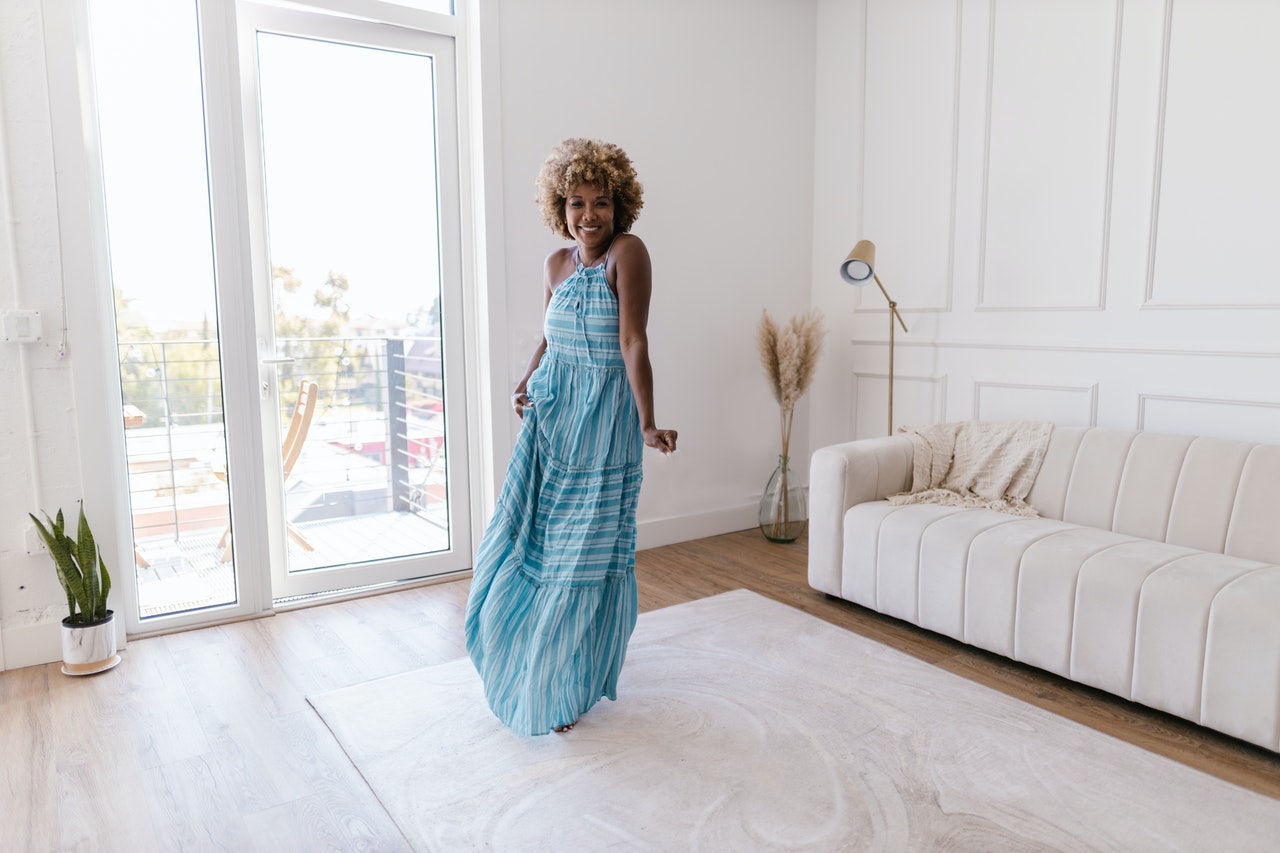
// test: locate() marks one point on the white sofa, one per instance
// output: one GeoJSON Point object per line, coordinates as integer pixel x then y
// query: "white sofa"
{"type": "Point", "coordinates": [1152, 572]}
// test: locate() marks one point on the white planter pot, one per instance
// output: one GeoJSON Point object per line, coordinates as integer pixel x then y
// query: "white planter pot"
{"type": "Point", "coordinates": [87, 649]}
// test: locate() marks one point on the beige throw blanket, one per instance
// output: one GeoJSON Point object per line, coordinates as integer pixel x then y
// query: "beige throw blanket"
{"type": "Point", "coordinates": [977, 464]}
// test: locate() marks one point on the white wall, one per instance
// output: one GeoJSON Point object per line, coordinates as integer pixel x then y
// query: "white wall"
{"type": "Point", "coordinates": [39, 460]}
{"type": "Point", "coordinates": [713, 100]}
{"type": "Point", "coordinates": [1076, 204]}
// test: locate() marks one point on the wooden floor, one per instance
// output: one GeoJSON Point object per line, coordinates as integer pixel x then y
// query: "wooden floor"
{"type": "Point", "coordinates": [205, 741]}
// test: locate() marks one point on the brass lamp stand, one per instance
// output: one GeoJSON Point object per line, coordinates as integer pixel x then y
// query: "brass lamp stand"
{"type": "Point", "coordinates": [859, 269]}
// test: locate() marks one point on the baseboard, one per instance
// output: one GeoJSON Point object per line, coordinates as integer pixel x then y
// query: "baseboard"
{"type": "Point", "coordinates": [38, 639]}
{"type": "Point", "coordinates": [32, 644]}
{"type": "Point", "coordinates": [667, 531]}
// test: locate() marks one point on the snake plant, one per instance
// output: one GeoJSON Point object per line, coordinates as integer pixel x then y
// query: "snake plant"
{"type": "Point", "coordinates": [81, 570]}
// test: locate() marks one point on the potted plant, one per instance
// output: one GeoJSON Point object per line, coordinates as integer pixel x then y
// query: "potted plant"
{"type": "Point", "coordinates": [89, 631]}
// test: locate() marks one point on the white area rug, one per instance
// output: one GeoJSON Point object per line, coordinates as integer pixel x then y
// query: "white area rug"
{"type": "Point", "coordinates": [744, 724]}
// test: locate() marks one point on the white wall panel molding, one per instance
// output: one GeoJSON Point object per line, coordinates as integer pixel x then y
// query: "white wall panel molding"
{"type": "Point", "coordinates": [1085, 387]}
{"type": "Point", "coordinates": [1215, 207]}
{"type": "Point", "coordinates": [1159, 146]}
{"type": "Point", "coordinates": [1049, 154]}
{"type": "Point", "coordinates": [1064, 405]}
{"type": "Point", "coordinates": [1061, 133]}
{"type": "Point", "coordinates": [1244, 420]}
{"type": "Point", "coordinates": [917, 399]}
{"type": "Point", "coordinates": [1118, 350]}
{"type": "Point", "coordinates": [1154, 303]}
{"type": "Point", "coordinates": [1100, 305]}
{"type": "Point", "coordinates": [1138, 101]}
{"type": "Point", "coordinates": [910, 146]}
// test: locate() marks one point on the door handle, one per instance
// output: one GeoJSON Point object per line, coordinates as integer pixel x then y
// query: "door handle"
{"type": "Point", "coordinates": [264, 389]}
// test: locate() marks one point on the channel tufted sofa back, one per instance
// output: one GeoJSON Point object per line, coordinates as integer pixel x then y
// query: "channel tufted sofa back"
{"type": "Point", "coordinates": [1205, 493]}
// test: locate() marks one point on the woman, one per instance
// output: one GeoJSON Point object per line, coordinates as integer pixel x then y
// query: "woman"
{"type": "Point", "coordinates": [553, 594]}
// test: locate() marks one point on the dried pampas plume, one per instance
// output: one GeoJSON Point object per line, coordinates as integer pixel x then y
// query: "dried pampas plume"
{"type": "Point", "coordinates": [789, 354]}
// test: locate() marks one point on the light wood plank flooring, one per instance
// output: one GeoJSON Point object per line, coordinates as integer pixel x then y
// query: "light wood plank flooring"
{"type": "Point", "coordinates": [204, 740]}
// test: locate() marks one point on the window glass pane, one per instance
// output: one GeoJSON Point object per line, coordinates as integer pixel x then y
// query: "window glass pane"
{"type": "Point", "coordinates": [349, 147]}
{"type": "Point", "coordinates": [151, 126]}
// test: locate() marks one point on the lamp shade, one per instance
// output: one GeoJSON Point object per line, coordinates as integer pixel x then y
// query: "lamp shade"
{"type": "Point", "coordinates": [859, 267]}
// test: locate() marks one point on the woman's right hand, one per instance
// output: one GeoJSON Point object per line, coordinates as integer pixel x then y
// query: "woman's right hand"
{"type": "Point", "coordinates": [519, 400]}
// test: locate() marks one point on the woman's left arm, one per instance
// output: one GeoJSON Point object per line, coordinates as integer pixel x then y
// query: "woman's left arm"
{"type": "Point", "coordinates": [633, 283]}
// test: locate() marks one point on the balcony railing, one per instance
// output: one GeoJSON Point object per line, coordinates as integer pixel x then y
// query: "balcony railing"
{"type": "Point", "coordinates": [376, 443]}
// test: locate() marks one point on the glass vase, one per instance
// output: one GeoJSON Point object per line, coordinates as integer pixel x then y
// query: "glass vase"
{"type": "Point", "coordinates": [783, 509]}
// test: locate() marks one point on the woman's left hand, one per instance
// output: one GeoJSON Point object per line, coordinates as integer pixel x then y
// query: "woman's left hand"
{"type": "Point", "coordinates": [662, 439]}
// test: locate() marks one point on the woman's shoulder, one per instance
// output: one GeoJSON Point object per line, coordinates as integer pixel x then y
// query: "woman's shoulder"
{"type": "Point", "coordinates": [628, 262]}
{"type": "Point", "coordinates": [628, 248]}
{"type": "Point", "coordinates": [559, 257]}
{"type": "Point", "coordinates": [628, 242]}
{"type": "Point", "coordinates": [558, 265]}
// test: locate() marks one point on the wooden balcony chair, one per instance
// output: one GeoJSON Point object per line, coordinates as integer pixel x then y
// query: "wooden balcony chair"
{"type": "Point", "coordinates": [290, 449]}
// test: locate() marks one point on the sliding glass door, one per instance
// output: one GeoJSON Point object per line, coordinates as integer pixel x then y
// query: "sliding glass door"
{"type": "Point", "coordinates": [357, 165]}
{"type": "Point", "coordinates": [283, 217]}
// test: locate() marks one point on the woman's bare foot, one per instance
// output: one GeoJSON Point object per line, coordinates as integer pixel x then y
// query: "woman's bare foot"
{"type": "Point", "coordinates": [563, 729]}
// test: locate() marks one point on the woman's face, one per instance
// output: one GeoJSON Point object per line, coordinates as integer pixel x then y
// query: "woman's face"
{"type": "Point", "coordinates": [589, 214]}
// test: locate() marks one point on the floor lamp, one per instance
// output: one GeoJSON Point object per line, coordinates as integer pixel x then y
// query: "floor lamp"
{"type": "Point", "coordinates": [860, 269]}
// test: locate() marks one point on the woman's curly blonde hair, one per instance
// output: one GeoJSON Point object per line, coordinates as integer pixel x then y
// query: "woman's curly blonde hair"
{"type": "Point", "coordinates": [588, 161]}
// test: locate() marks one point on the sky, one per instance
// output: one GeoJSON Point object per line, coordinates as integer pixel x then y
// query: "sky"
{"type": "Point", "coordinates": [348, 144]}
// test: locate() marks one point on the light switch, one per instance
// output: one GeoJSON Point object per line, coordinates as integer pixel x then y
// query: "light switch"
{"type": "Point", "coordinates": [22, 326]}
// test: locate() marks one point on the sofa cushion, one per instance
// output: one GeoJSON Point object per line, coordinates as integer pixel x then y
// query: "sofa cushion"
{"type": "Point", "coordinates": [1254, 531]}
{"type": "Point", "coordinates": [1109, 596]}
{"type": "Point", "coordinates": [1241, 687]}
{"type": "Point", "coordinates": [1207, 485]}
{"type": "Point", "coordinates": [1174, 612]}
{"type": "Point", "coordinates": [1204, 493]}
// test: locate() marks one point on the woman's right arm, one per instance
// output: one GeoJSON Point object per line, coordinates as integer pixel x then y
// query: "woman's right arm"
{"type": "Point", "coordinates": [520, 397]}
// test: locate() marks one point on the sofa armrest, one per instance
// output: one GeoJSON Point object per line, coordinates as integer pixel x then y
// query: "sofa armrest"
{"type": "Point", "coordinates": [841, 476]}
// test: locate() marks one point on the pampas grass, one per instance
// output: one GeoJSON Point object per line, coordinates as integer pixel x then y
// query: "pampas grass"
{"type": "Point", "coordinates": [789, 354]}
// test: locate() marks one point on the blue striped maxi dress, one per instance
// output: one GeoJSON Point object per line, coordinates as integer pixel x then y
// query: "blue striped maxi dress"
{"type": "Point", "coordinates": [553, 593]}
